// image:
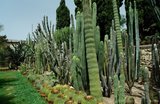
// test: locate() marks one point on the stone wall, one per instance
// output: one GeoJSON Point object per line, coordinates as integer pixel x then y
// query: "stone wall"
{"type": "Point", "coordinates": [146, 57]}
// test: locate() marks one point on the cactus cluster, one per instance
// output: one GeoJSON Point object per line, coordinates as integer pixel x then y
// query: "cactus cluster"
{"type": "Point", "coordinates": [88, 64]}
{"type": "Point", "coordinates": [132, 50]}
{"type": "Point", "coordinates": [47, 53]}
{"type": "Point", "coordinates": [85, 51]}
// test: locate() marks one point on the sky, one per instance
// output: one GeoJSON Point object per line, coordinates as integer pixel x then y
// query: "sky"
{"type": "Point", "coordinates": [19, 17]}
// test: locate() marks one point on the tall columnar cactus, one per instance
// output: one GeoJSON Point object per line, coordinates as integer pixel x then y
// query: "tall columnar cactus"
{"type": "Point", "coordinates": [78, 71]}
{"type": "Point", "coordinates": [146, 85]}
{"type": "Point", "coordinates": [120, 50]}
{"type": "Point", "coordinates": [137, 41]}
{"type": "Point", "coordinates": [38, 59]}
{"type": "Point", "coordinates": [155, 75]}
{"type": "Point", "coordinates": [117, 28]}
{"type": "Point", "coordinates": [95, 28]}
{"type": "Point", "coordinates": [94, 80]}
{"type": "Point", "coordinates": [82, 50]}
{"type": "Point", "coordinates": [131, 19]}
{"type": "Point", "coordinates": [116, 84]}
{"type": "Point", "coordinates": [119, 86]}
{"type": "Point", "coordinates": [132, 52]}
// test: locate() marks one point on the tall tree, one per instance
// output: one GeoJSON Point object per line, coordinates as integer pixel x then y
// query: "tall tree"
{"type": "Point", "coordinates": [147, 23]}
{"type": "Point", "coordinates": [3, 42]}
{"type": "Point", "coordinates": [3, 47]}
{"type": "Point", "coordinates": [104, 14]}
{"type": "Point", "coordinates": [62, 16]}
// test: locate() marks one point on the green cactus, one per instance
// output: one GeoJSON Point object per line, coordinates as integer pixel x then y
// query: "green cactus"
{"type": "Point", "coordinates": [131, 19]}
{"type": "Point", "coordinates": [117, 28]}
{"type": "Point", "coordinates": [132, 54]}
{"type": "Point", "coordinates": [121, 100]}
{"type": "Point", "coordinates": [137, 41]}
{"type": "Point", "coordinates": [155, 74]}
{"type": "Point", "coordinates": [95, 86]}
{"type": "Point", "coordinates": [119, 87]}
{"type": "Point", "coordinates": [146, 85]}
{"type": "Point", "coordinates": [116, 84]}
{"type": "Point", "coordinates": [83, 58]}
{"type": "Point", "coordinates": [76, 74]}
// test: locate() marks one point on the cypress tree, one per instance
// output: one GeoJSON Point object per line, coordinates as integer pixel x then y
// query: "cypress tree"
{"type": "Point", "coordinates": [62, 16]}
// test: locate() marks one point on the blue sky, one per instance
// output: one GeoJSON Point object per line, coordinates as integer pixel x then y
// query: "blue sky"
{"type": "Point", "coordinates": [18, 16]}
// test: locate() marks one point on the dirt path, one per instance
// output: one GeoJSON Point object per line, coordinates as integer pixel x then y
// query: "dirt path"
{"type": "Point", "coordinates": [15, 89]}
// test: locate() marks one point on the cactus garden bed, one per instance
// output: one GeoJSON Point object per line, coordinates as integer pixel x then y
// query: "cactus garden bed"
{"type": "Point", "coordinates": [54, 93]}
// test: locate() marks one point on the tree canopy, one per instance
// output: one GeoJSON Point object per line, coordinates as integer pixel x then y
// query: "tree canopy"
{"type": "Point", "coordinates": [62, 16]}
{"type": "Point", "coordinates": [3, 41]}
{"type": "Point", "coordinates": [147, 23]}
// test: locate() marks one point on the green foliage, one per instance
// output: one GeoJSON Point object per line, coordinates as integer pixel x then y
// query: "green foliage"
{"type": "Point", "coordinates": [16, 54]}
{"type": "Point", "coordinates": [3, 42]}
{"type": "Point", "coordinates": [62, 35]}
{"type": "Point", "coordinates": [147, 23]}
{"type": "Point", "coordinates": [23, 68]}
{"type": "Point", "coordinates": [62, 16]}
{"type": "Point", "coordinates": [104, 14]}
{"type": "Point", "coordinates": [156, 7]}
{"type": "Point", "coordinates": [3, 50]}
